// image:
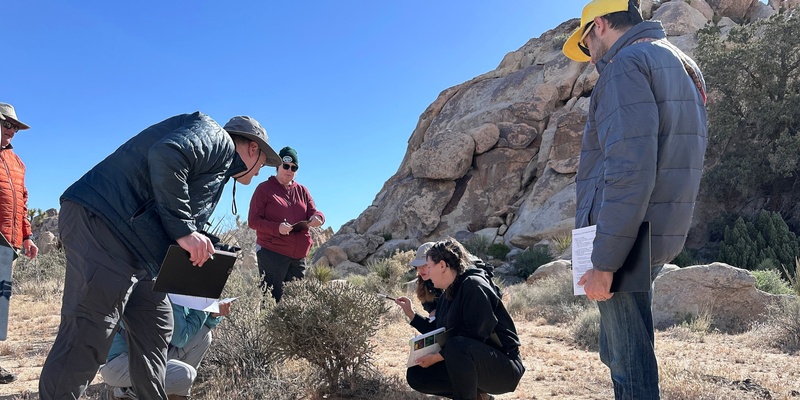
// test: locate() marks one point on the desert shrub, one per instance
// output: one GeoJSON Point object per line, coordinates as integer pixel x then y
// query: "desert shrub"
{"type": "Point", "coordinates": [43, 277]}
{"type": "Point", "coordinates": [550, 298]}
{"type": "Point", "coordinates": [770, 281]}
{"type": "Point", "coordinates": [790, 273]}
{"type": "Point", "coordinates": [683, 259]}
{"type": "Point", "coordinates": [242, 349]}
{"type": "Point", "coordinates": [747, 243]}
{"type": "Point", "coordinates": [330, 326]}
{"type": "Point", "coordinates": [561, 243]}
{"type": "Point", "coordinates": [498, 251]}
{"type": "Point", "coordinates": [477, 245]}
{"type": "Point", "coordinates": [585, 329]}
{"type": "Point", "coordinates": [386, 276]}
{"type": "Point", "coordinates": [322, 273]}
{"type": "Point", "coordinates": [784, 318]}
{"type": "Point", "coordinates": [529, 260]}
{"type": "Point", "coordinates": [703, 322]}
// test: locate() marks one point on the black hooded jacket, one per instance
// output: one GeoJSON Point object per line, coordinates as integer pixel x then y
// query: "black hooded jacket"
{"type": "Point", "coordinates": [472, 308]}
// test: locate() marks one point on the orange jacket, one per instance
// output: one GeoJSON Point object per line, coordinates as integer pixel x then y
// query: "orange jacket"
{"type": "Point", "coordinates": [14, 223]}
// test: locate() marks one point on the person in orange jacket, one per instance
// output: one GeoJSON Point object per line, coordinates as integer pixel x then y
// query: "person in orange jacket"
{"type": "Point", "coordinates": [14, 223]}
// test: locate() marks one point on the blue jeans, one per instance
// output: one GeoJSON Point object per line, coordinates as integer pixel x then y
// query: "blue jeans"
{"type": "Point", "coordinates": [626, 344]}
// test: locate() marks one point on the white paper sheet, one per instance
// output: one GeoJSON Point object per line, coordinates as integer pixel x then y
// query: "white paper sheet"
{"type": "Point", "coordinates": [199, 303]}
{"type": "Point", "coordinates": [582, 243]}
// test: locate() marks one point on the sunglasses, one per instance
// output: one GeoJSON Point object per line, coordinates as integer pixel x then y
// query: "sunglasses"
{"type": "Point", "coordinates": [9, 125]}
{"type": "Point", "coordinates": [582, 43]}
{"type": "Point", "coordinates": [292, 167]}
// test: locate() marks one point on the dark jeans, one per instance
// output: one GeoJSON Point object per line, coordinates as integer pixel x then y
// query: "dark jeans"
{"type": "Point", "coordinates": [627, 344]}
{"type": "Point", "coordinates": [104, 284]}
{"type": "Point", "coordinates": [275, 269]}
{"type": "Point", "coordinates": [468, 365]}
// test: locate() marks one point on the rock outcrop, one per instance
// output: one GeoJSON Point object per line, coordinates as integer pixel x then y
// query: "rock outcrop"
{"type": "Point", "coordinates": [724, 293]}
{"type": "Point", "coordinates": [497, 155]}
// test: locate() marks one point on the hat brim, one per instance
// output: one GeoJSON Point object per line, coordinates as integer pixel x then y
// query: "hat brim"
{"type": "Point", "coordinates": [272, 157]}
{"type": "Point", "coordinates": [571, 48]}
{"type": "Point", "coordinates": [417, 262]}
{"type": "Point", "coordinates": [20, 125]}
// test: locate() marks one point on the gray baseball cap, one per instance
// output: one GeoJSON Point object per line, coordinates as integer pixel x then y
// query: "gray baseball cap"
{"type": "Point", "coordinates": [251, 129]}
{"type": "Point", "coordinates": [422, 255]}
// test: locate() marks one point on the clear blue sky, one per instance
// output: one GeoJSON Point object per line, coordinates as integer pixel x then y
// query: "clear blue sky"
{"type": "Point", "coordinates": [342, 82]}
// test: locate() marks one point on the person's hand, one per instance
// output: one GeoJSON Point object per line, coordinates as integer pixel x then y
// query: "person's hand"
{"type": "Point", "coordinates": [428, 360]}
{"type": "Point", "coordinates": [405, 304]}
{"type": "Point", "coordinates": [284, 228]}
{"type": "Point", "coordinates": [199, 247]}
{"type": "Point", "coordinates": [30, 248]}
{"type": "Point", "coordinates": [224, 309]}
{"type": "Point", "coordinates": [597, 284]}
{"type": "Point", "coordinates": [315, 221]}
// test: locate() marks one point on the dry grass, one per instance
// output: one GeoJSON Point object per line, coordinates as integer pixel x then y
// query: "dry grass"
{"type": "Point", "coordinates": [693, 364]}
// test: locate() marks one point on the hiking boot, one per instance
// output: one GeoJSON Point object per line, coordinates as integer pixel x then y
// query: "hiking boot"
{"type": "Point", "coordinates": [124, 393]}
{"type": "Point", "coordinates": [6, 376]}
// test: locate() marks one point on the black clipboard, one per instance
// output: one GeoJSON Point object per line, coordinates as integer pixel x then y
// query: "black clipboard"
{"type": "Point", "coordinates": [300, 225]}
{"type": "Point", "coordinates": [634, 274]}
{"type": "Point", "coordinates": [179, 276]}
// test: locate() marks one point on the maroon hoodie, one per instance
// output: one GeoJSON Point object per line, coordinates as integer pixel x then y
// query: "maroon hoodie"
{"type": "Point", "coordinates": [271, 205]}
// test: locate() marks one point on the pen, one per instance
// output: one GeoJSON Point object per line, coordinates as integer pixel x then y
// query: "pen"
{"type": "Point", "coordinates": [386, 297]}
{"type": "Point", "coordinates": [210, 255]}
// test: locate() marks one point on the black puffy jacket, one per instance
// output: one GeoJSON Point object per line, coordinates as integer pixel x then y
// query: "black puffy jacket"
{"type": "Point", "coordinates": [160, 185]}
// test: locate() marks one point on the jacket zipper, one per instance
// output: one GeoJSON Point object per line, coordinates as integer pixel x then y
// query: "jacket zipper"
{"type": "Point", "coordinates": [13, 203]}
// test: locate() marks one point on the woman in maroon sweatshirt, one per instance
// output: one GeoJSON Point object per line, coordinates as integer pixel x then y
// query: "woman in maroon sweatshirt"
{"type": "Point", "coordinates": [281, 211]}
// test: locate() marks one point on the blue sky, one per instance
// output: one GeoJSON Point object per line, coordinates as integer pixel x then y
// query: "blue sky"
{"type": "Point", "coordinates": [342, 82]}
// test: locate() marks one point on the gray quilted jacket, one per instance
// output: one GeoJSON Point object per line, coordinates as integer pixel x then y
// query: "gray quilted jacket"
{"type": "Point", "coordinates": [643, 148]}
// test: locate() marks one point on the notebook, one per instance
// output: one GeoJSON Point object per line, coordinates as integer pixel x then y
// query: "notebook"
{"type": "Point", "coordinates": [179, 276]}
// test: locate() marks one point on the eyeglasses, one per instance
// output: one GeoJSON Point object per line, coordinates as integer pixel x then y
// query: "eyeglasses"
{"type": "Point", "coordinates": [292, 167]}
{"type": "Point", "coordinates": [9, 125]}
{"type": "Point", "coordinates": [582, 43]}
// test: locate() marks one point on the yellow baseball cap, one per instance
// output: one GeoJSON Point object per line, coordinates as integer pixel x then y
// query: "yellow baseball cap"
{"type": "Point", "coordinates": [596, 8]}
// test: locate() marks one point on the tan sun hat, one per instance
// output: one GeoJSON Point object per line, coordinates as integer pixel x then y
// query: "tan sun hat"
{"type": "Point", "coordinates": [251, 129]}
{"type": "Point", "coordinates": [596, 8]}
{"type": "Point", "coordinates": [422, 256]}
{"type": "Point", "coordinates": [7, 110]}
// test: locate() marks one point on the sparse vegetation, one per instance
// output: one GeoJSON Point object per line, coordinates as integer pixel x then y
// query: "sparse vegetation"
{"type": "Point", "coordinates": [330, 326]}
{"type": "Point", "coordinates": [498, 251]}
{"type": "Point", "coordinates": [770, 281]}
{"type": "Point", "coordinates": [529, 260]}
{"type": "Point", "coordinates": [478, 246]}
{"type": "Point", "coordinates": [586, 329]}
{"type": "Point", "coordinates": [550, 298]}
{"type": "Point", "coordinates": [561, 243]}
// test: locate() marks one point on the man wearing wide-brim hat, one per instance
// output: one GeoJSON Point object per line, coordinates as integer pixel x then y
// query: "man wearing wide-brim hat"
{"type": "Point", "coordinates": [641, 160]}
{"type": "Point", "coordinates": [117, 221]}
{"type": "Point", "coordinates": [14, 223]}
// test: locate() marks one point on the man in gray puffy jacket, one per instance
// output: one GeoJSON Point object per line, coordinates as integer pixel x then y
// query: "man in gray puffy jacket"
{"type": "Point", "coordinates": [641, 160]}
{"type": "Point", "coordinates": [117, 221]}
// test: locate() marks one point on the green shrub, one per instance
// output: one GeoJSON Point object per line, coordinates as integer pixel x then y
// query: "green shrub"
{"type": "Point", "coordinates": [770, 281]}
{"type": "Point", "coordinates": [498, 251]}
{"type": "Point", "coordinates": [748, 243]}
{"type": "Point", "coordinates": [683, 259]}
{"type": "Point", "coordinates": [331, 326]}
{"type": "Point", "coordinates": [561, 243]}
{"type": "Point", "coordinates": [386, 275]}
{"type": "Point", "coordinates": [586, 329]}
{"type": "Point", "coordinates": [322, 273]}
{"type": "Point", "coordinates": [529, 260]}
{"type": "Point", "coordinates": [478, 246]}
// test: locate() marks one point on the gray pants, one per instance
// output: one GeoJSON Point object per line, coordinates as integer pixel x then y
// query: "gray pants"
{"type": "Point", "coordinates": [181, 366]}
{"type": "Point", "coordinates": [104, 283]}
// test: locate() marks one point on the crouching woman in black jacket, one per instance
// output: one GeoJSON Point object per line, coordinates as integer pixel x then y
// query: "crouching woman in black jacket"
{"type": "Point", "coordinates": [481, 354]}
